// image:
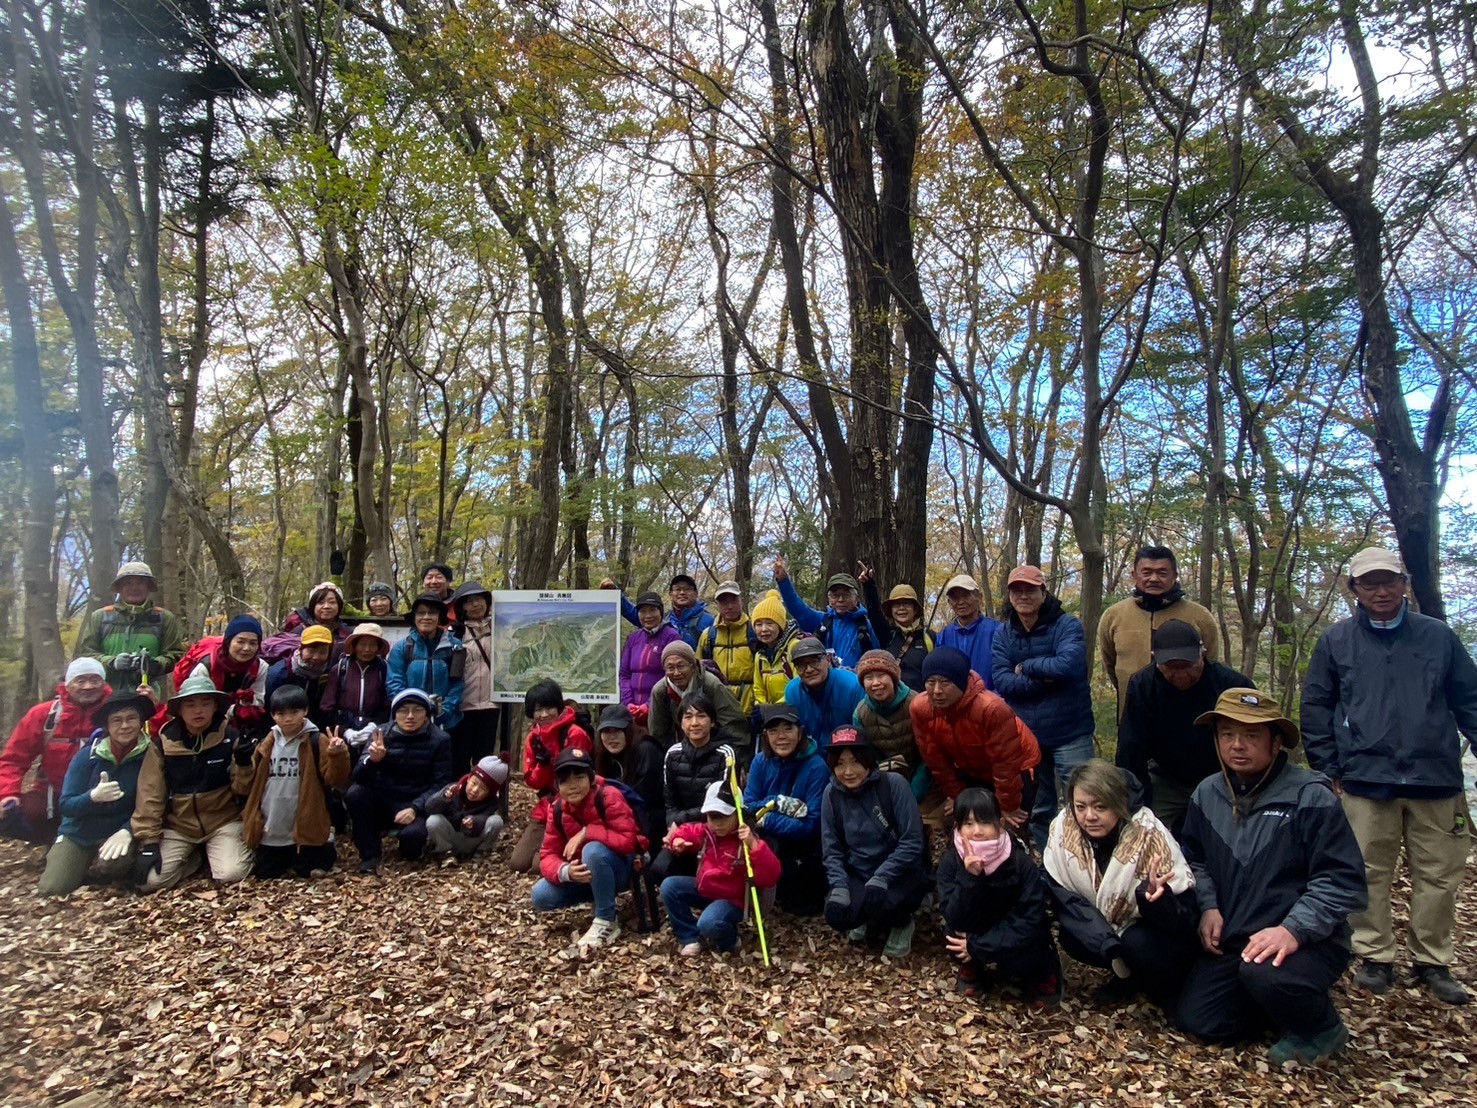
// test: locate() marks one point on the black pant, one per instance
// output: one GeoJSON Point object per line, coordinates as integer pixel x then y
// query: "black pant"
{"type": "Point", "coordinates": [373, 815]}
{"type": "Point", "coordinates": [1157, 961]}
{"type": "Point", "coordinates": [802, 887]}
{"type": "Point", "coordinates": [900, 899]}
{"type": "Point", "coordinates": [474, 738]}
{"type": "Point", "coordinates": [276, 861]}
{"type": "Point", "coordinates": [1226, 999]}
{"type": "Point", "coordinates": [666, 864]}
{"type": "Point", "coordinates": [1032, 964]}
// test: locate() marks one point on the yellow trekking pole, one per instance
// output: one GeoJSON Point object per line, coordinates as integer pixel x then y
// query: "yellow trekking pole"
{"type": "Point", "coordinates": [738, 805]}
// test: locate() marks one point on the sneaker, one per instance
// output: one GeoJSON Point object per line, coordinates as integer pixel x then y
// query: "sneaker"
{"type": "Point", "coordinates": [690, 950]}
{"type": "Point", "coordinates": [602, 932]}
{"type": "Point", "coordinates": [899, 941]}
{"type": "Point", "coordinates": [1046, 995]}
{"type": "Point", "coordinates": [1441, 983]}
{"type": "Point", "coordinates": [1295, 1048]}
{"type": "Point", "coordinates": [857, 934]}
{"type": "Point", "coordinates": [1375, 977]}
{"type": "Point", "coordinates": [369, 865]}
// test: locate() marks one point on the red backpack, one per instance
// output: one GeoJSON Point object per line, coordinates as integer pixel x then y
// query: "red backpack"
{"type": "Point", "coordinates": [198, 653]}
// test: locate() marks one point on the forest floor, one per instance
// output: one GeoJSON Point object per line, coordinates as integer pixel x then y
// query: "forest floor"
{"type": "Point", "coordinates": [437, 984]}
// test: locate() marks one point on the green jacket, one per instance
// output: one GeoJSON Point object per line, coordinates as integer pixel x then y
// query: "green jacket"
{"type": "Point", "coordinates": [120, 628]}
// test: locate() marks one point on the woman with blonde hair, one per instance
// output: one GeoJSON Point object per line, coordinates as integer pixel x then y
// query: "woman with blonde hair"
{"type": "Point", "coordinates": [1122, 885]}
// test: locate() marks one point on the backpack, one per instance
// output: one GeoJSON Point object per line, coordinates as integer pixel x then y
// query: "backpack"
{"type": "Point", "coordinates": [863, 632]}
{"type": "Point", "coordinates": [152, 620]}
{"type": "Point", "coordinates": [634, 801]}
{"type": "Point", "coordinates": [197, 653]}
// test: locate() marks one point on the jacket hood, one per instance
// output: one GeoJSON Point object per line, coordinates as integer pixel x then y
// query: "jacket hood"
{"type": "Point", "coordinates": [902, 694]}
{"type": "Point", "coordinates": [806, 747]}
{"type": "Point", "coordinates": [103, 748]}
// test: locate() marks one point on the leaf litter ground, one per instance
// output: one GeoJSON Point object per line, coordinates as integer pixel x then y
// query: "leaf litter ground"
{"type": "Point", "coordinates": [438, 984]}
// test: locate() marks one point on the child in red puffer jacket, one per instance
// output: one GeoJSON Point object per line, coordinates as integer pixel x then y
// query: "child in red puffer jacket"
{"type": "Point", "coordinates": [717, 892]}
{"type": "Point", "coordinates": [553, 731]}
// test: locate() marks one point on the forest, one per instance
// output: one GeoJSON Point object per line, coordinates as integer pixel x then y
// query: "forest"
{"type": "Point", "coordinates": [569, 289]}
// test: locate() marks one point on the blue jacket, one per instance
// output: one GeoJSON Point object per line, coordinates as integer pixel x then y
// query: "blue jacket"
{"type": "Point", "coordinates": [88, 824]}
{"type": "Point", "coordinates": [1381, 709]}
{"type": "Point", "coordinates": [689, 623]}
{"type": "Point", "coordinates": [1051, 693]}
{"type": "Point", "coordinates": [978, 641]}
{"type": "Point", "coordinates": [848, 635]}
{"type": "Point", "coordinates": [416, 664]}
{"type": "Point", "coordinates": [414, 769]}
{"type": "Point", "coordinates": [803, 777]}
{"type": "Point", "coordinates": [833, 708]}
{"type": "Point", "coordinates": [873, 833]}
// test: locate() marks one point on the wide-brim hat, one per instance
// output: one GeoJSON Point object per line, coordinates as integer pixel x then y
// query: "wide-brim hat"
{"type": "Point", "coordinates": [467, 590]}
{"type": "Point", "coordinates": [901, 594]}
{"type": "Point", "coordinates": [1251, 706]}
{"type": "Point", "coordinates": [198, 684]}
{"type": "Point", "coordinates": [133, 569]}
{"type": "Point", "coordinates": [369, 631]}
{"type": "Point", "coordinates": [426, 598]}
{"type": "Point", "coordinates": [122, 701]}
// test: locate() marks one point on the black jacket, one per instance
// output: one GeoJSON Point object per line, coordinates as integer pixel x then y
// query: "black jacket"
{"type": "Point", "coordinates": [1282, 854]}
{"type": "Point", "coordinates": [640, 766]}
{"type": "Point", "coordinates": [1158, 730]}
{"type": "Point", "coordinates": [687, 771]}
{"type": "Point", "coordinates": [1002, 913]}
{"type": "Point", "coordinates": [415, 767]}
{"type": "Point", "coordinates": [1382, 707]}
{"type": "Point", "coordinates": [456, 808]}
{"type": "Point", "coordinates": [908, 649]}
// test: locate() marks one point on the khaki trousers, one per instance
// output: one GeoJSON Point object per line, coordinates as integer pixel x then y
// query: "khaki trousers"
{"type": "Point", "coordinates": [1436, 836]}
{"type": "Point", "coordinates": [226, 852]}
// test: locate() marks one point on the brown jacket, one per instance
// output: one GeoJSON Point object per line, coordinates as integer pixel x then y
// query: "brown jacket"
{"type": "Point", "coordinates": [1125, 630]}
{"type": "Point", "coordinates": [312, 824]}
{"type": "Point", "coordinates": [189, 784]}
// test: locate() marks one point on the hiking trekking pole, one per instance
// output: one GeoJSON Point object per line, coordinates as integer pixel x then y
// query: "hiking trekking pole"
{"type": "Point", "coordinates": [738, 806]}
{"type": "Point", "coordinates": [143, 667]}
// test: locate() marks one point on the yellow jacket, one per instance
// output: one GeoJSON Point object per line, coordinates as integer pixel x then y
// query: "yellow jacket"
{"type": "Point", "coordinates": [1126, 628]}
{"type": "Point", "coordinates": [772, 669]}
{"type": "Point", "coordinates": [730, 646]}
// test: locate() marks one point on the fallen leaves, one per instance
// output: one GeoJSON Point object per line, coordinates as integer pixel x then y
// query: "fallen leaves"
{"type": "Point", "coordinates": [441, 986]}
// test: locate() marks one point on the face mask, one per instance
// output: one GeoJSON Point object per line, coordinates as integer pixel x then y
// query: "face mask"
{"type": "Point", "coordinates": [991, 852]}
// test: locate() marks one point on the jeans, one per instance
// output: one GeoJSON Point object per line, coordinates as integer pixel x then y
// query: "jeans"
{"type": "Point", "coordinates": [717, 920]}
{"type": "Point", "coordinates": [1056, 766]}
{"type": "Point", "coordinates": [609, 874]}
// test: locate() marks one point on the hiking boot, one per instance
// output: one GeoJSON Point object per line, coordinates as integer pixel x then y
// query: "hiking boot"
{"type": "Point", "coordinates": [899, 941]}
{"type": "Point", "coordinates": [857, 934]}
{"type": "Point", "coordinates": [1295, 1048]}
{"type": "Point", "coordinates": [1046, 995]}
{"type": "Point", "coordinates": [369, 865]}
{"type": "Point", "coordinates": [967, 980]}
{"type": "Point", "coordinates": [1375, 977]}
{"type": "Point", "coordinates": [1441, 983]}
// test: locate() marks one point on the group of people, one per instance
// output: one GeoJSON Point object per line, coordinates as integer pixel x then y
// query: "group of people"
{"type": "Point", "coordinates": [808, 754]}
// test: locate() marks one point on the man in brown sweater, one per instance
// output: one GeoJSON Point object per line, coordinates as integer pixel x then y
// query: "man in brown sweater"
{"type": "Point", "coordinates": [1127, 627]}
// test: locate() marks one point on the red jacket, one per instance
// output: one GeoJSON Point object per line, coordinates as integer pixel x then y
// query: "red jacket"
{"type": "Point", "coordinates": [545, 742]}
{"type": "Point", "coordinates": [979, 738]}
{"type": "Point", "coordinates": [616, 830]}
{"type": "Point", "coordinates": [720, 870]}
{"type": "Point", "coordinates": [28, 742]}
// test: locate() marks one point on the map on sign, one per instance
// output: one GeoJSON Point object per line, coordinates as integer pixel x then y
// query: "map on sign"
{"type": "Point", "coordinates": [571, 637]}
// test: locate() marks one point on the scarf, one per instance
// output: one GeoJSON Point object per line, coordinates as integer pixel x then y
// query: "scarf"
{"type": "Point", "coordinates": [301, 668]}
{"type": "Point", "coordinates": [1159, 603]}
{"type": "Point", "coordinates": [992, 852]}
{"type": "Point", "coordinates": [1144, 844]}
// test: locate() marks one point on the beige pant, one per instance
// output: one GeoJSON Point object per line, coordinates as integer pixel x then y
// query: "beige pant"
{"type": "Point", "coordinates": [227, 854]}
{"type": "Point", "coordinates": [1436, 835]}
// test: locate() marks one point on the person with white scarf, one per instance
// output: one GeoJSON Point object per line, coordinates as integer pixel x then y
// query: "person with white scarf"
{"type": "Point", "coordinates": [1122, 886]}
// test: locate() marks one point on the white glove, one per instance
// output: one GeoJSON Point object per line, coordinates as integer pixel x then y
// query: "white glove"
{"type": "Point", "coordinates": [116, 845]}
{"type": "Point", "coordinates": [105, 791]}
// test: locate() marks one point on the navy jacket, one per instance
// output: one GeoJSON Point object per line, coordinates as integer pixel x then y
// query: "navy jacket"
{"type": "Point", "coordinates": [1381, 708]}
{"type": "Point", "coordinates": [414, 769]}
{"type": "Point", "coordinates": [873, 833]}
{"type": "Point", "coordinates": [1051, 693]}
{"type": "Point", "coordinates": [803, 776]}
{"type": "Point", "coordinates": [88, 824]}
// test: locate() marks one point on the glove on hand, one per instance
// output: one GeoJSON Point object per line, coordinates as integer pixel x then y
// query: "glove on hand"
{"type": "Point", "coordinates": [125, 663]}
{"type": "Point", "coordinates": [150, 860]}
{"type": "Point", "coordinates": [116, 845]}
{"type": "Point", "coordinates": [105, 791]}
{"type": "Point", "coordinates": [838, 913]}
